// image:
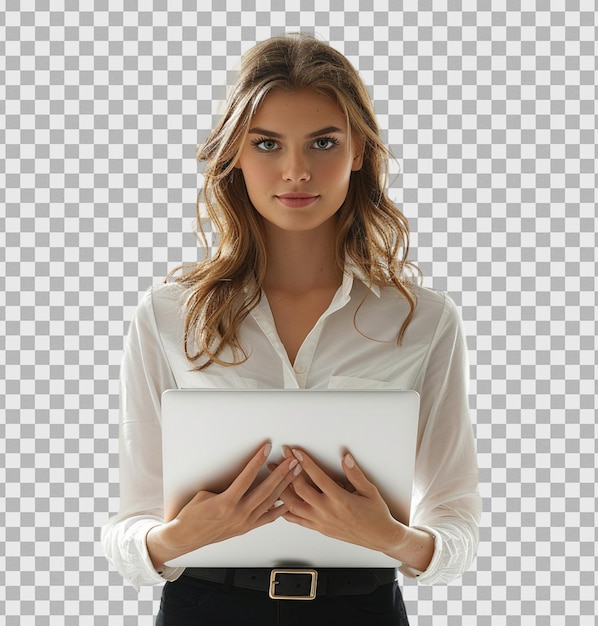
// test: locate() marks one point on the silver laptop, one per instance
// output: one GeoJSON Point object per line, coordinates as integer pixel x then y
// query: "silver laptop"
{"type": "Point", "coordinates": [210, 434]}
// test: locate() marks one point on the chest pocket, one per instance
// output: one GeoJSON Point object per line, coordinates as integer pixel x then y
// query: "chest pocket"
{"type": "Point", "coordinates": [353, 382]}
{"type": "Point", "coordinates": [199, 380]}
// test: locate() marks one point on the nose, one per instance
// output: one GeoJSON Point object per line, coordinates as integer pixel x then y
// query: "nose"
{"type": "Point", "coordinates": [296, 167]}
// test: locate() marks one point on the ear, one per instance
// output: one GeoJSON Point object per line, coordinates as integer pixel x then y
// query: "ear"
{"type": "Point", "coordinates": [357, 149]}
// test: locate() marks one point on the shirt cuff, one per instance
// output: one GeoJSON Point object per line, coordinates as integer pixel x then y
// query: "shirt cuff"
{"type": "Point", "coordinates": [429, 573]}
{"type": "Point", "coordinates": [139, 569]}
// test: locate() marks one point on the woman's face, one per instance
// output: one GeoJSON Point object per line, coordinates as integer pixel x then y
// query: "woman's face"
{"type": "Point", "coordinates": [298, 158]}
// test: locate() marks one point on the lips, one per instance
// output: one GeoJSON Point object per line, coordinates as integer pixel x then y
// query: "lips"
{"type": "Point", "coordinates": [297, 200]}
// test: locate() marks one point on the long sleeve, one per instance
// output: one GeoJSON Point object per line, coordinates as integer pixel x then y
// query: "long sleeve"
{"type": "Point", "coordinates": [446, 499]}
{"type": "Point", "coordinates": [145, 374]}
{"type": "Point", "coordinates": [433, 361]}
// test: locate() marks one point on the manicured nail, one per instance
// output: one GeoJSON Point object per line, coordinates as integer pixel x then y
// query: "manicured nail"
{"type": "Point", "coordinates": [349, 460]}
{"type": "Point", "coordinates": [286, 452]}
{"type": "Point", "coordinates": [298, 454]}
{"type": "Point", "coordinates": [293, 463]}
{"type": "Point", "coordinates": [267, 449]}
{"type": "Point", "coordinates": [298, 470]}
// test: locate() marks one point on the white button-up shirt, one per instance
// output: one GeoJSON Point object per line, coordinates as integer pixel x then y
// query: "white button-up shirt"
{"type": "Point", "coordinates": [353, 345]}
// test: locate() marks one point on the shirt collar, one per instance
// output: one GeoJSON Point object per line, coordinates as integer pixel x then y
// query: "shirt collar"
{"type": "Point", "coordinates": [353, 271]}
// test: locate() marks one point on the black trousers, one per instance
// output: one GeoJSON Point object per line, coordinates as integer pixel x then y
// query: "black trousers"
{"type": "Point", "coordinates": [189, 601]}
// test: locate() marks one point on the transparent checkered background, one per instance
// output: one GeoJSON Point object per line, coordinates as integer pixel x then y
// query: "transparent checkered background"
{"type": "Point", "coordinates": [491, 114]}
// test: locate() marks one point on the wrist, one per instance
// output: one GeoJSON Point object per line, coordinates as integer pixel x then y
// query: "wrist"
{"type": "Point", "coordinates": [412, 546]}
{"type": "Point", "coordinates": [162, 544]}
{"type": "Point", "coordinates": [397, 540]}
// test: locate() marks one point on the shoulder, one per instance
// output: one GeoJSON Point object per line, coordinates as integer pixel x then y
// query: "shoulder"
{"type": "Point", "coordinates": [438, 317]}
{"type": "Point", "coordinates": [435, 302]}
{"type": "Point", "coordinates": [429, 302]}
{"type": "Point", "coordinates": [166, 293]}
{"type": "Point", "coordinates": [162, 302]}
{"type": "Point", "coordinates": [437, 305]}
{"type": "Point", "coordinates": [435, 312]}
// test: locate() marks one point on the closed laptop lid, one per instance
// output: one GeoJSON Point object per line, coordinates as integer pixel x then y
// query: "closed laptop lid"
{"type": "Point", "coordinates": [210, 434]}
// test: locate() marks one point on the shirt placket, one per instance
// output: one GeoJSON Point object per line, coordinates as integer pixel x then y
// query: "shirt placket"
{"type": "Point", "coordinates": [295, 375]}
{"type": "Point", "coordinates": [307, 351]}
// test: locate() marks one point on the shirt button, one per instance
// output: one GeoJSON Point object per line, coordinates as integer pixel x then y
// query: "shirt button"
{"type": "Point", "coordinates": [300, 368]}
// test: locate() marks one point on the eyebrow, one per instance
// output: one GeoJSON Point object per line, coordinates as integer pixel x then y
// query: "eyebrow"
{"type": "Point", "coordinates": [317, 133]}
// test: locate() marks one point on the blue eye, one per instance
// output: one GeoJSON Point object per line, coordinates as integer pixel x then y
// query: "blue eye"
{"type": "Point", "coordinates": [266, 145]}
{"type": "Point", "coordinates": [326, 143]}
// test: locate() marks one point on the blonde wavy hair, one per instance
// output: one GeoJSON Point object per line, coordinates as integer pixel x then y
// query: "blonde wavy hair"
{"type": "Point", "coordinates": [371, 232]}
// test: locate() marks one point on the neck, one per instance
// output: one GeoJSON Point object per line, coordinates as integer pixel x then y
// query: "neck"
{"type": "Point", "coordinates": [301, 261]}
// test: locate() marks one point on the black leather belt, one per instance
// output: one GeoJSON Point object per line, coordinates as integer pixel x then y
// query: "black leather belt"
{"type": "Point", "coordinates": [298, 583]}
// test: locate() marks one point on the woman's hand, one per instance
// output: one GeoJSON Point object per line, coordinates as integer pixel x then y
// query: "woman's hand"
{"type": "Point", "coordinates": [212, 517]}
{"type": "Point", "coordinates": [357, 514]}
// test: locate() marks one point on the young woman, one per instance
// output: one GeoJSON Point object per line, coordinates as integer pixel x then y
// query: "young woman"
{"type": "Point", "coordinates": [310, 287]}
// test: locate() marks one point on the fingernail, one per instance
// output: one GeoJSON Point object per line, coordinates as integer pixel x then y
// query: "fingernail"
{"type": "Point", "coordinates": [286, 452]}
{"type": "Point", "coordinates": [349, 460]}
{"type": "Point", "coordinates": [297, 455]}
{"type": "Point", "coordinates": [293, 463]}
{"type": "Point", "coordinates": [298, 470]}
{"type": "Point", "coordinates": [267, 449]}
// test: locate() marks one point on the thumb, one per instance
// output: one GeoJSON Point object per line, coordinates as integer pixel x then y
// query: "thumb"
{"type": "Point", "coordinates": [356, 477]}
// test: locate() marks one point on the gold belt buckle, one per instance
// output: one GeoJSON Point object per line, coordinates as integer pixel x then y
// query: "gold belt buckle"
{"type": "Point", "coordinates": [312, 590]}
